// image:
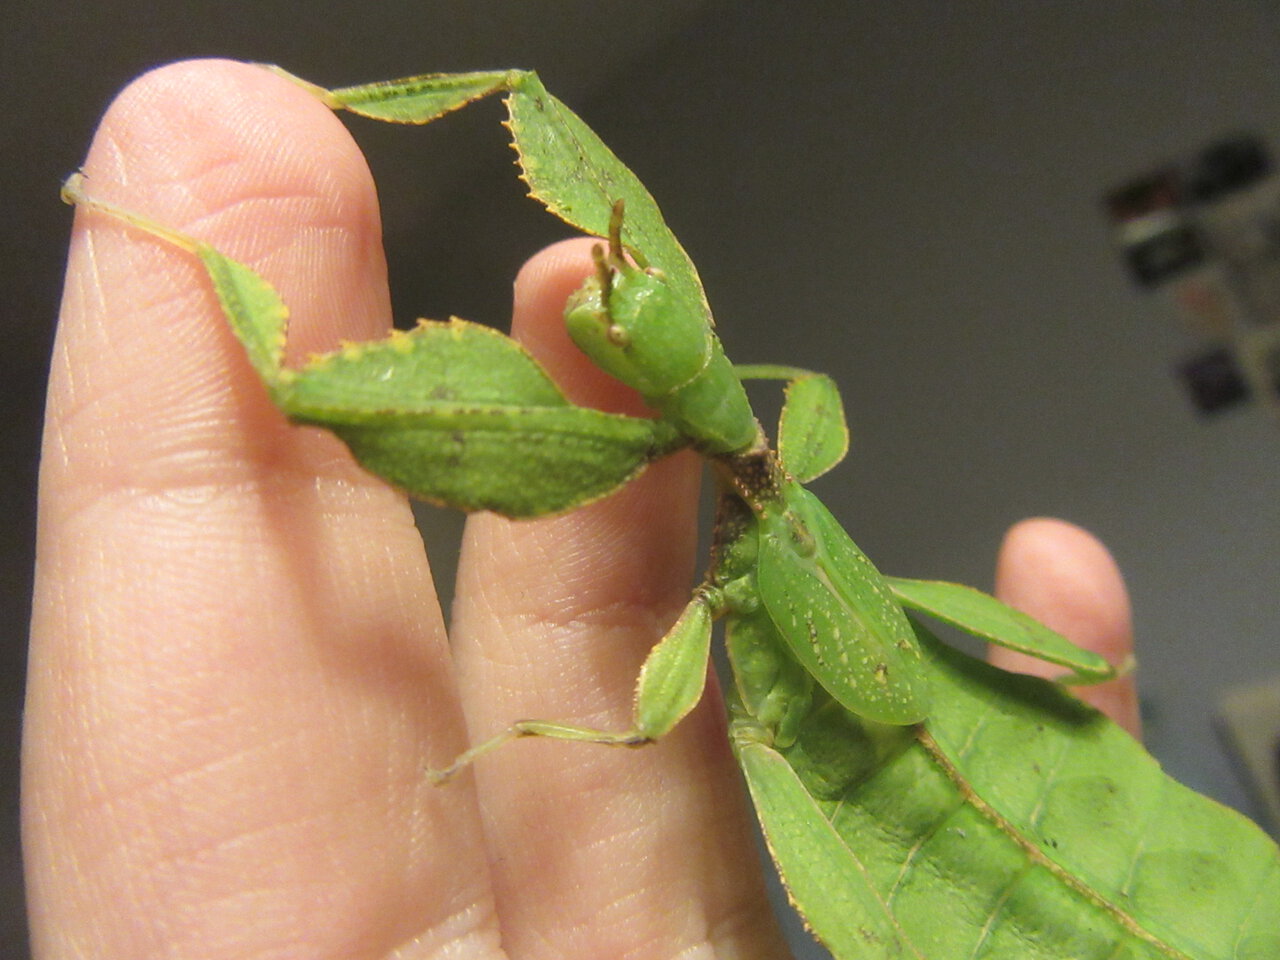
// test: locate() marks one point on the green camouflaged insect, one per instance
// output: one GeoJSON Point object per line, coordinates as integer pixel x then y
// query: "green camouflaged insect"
{"type": "Point", "coordinates": [918, 803]}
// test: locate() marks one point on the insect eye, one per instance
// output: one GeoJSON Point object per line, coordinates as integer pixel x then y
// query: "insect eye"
{"type": "Point", "coordinates": [617, 335]}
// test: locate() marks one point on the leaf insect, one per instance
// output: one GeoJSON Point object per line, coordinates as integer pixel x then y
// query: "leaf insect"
{"type": "Point", "coordinates": [918, 803]}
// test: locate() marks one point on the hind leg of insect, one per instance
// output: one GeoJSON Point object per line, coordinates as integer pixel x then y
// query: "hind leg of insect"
{"type": "Point", "coordinates": [669, 686]}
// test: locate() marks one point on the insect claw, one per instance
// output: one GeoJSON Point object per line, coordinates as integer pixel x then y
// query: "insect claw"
{"type": "Point", "coordinates": [440, 777]}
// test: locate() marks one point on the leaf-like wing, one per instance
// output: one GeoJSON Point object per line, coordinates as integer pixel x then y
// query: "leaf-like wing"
{"type": "Point", "coordinates": [1017, 822]}
{"type": "Point", "coordinates": [836, 613]}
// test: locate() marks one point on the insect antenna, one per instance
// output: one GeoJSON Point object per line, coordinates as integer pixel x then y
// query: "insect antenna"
{"type": "Point", "coordinates": [603, 272]}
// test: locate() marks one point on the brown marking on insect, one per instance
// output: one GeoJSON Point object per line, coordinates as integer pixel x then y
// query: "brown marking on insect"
{"type": "Point", "coordinates": [756, 475]}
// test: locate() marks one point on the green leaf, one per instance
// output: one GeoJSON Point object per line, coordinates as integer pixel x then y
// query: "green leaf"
{"type": "Point", "coordinates": [460, 414]}
{"type": "Point", "coordinates": [812, 434]}
{"type": "Point", "coordinates": [986, 617]}
{"type": "Point", "coordinates": [1017, 822]}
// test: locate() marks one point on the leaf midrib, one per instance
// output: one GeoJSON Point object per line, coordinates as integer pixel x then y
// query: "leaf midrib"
{"type": "Point", "coordinates": [1035, 854]}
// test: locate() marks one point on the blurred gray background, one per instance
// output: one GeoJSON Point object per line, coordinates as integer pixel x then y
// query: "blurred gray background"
{"type": "Point", "coordinates": [904, 194]}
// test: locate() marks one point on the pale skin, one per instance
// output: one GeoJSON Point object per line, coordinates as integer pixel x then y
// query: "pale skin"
{"type": "Point", "coordinates": [239, 670]}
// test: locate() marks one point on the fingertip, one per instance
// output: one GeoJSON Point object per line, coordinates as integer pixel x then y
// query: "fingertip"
{"type": "Point", "coordinates": [148, 384]}
{"type": "Point", "coordinates": [1066, 572]}
{"type": "Point", "coordinates": [259, 168]}
{"type": "Point", "coordinates": [1065, 577]}
{"type": "Point", "coordinates": [195, 130]}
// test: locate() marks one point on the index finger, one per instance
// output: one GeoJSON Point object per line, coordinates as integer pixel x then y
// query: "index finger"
{"type": "Point", "coordinates": [238, 666]}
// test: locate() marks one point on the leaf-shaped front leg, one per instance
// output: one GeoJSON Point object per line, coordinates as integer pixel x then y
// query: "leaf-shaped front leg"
{"type": "Point", "coordinates": [462, 415]}
{"type": "Point", "coordinates": [455, 413]}
{"type": "Point", "coordinates": [567, 167]}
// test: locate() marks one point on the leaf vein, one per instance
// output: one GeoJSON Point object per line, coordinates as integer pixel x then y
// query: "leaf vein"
{"type": "Point", "coordinates": [1035, 854]}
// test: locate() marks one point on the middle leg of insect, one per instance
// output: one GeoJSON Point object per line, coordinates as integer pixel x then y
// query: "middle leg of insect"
{"type": "Point", "coordinates": [669, 686]}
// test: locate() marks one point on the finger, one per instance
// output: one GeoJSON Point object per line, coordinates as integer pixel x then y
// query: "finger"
{"type": "Point", "coordinates": [599, 851]}
{"type": "Point", "coordinates": [238, 665]}
{"type": "Point", "coordinates": [1063, 576]}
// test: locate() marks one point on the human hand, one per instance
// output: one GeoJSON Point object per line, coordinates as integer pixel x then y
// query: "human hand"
{"type": "Point", "coordinates": [239, 670]}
